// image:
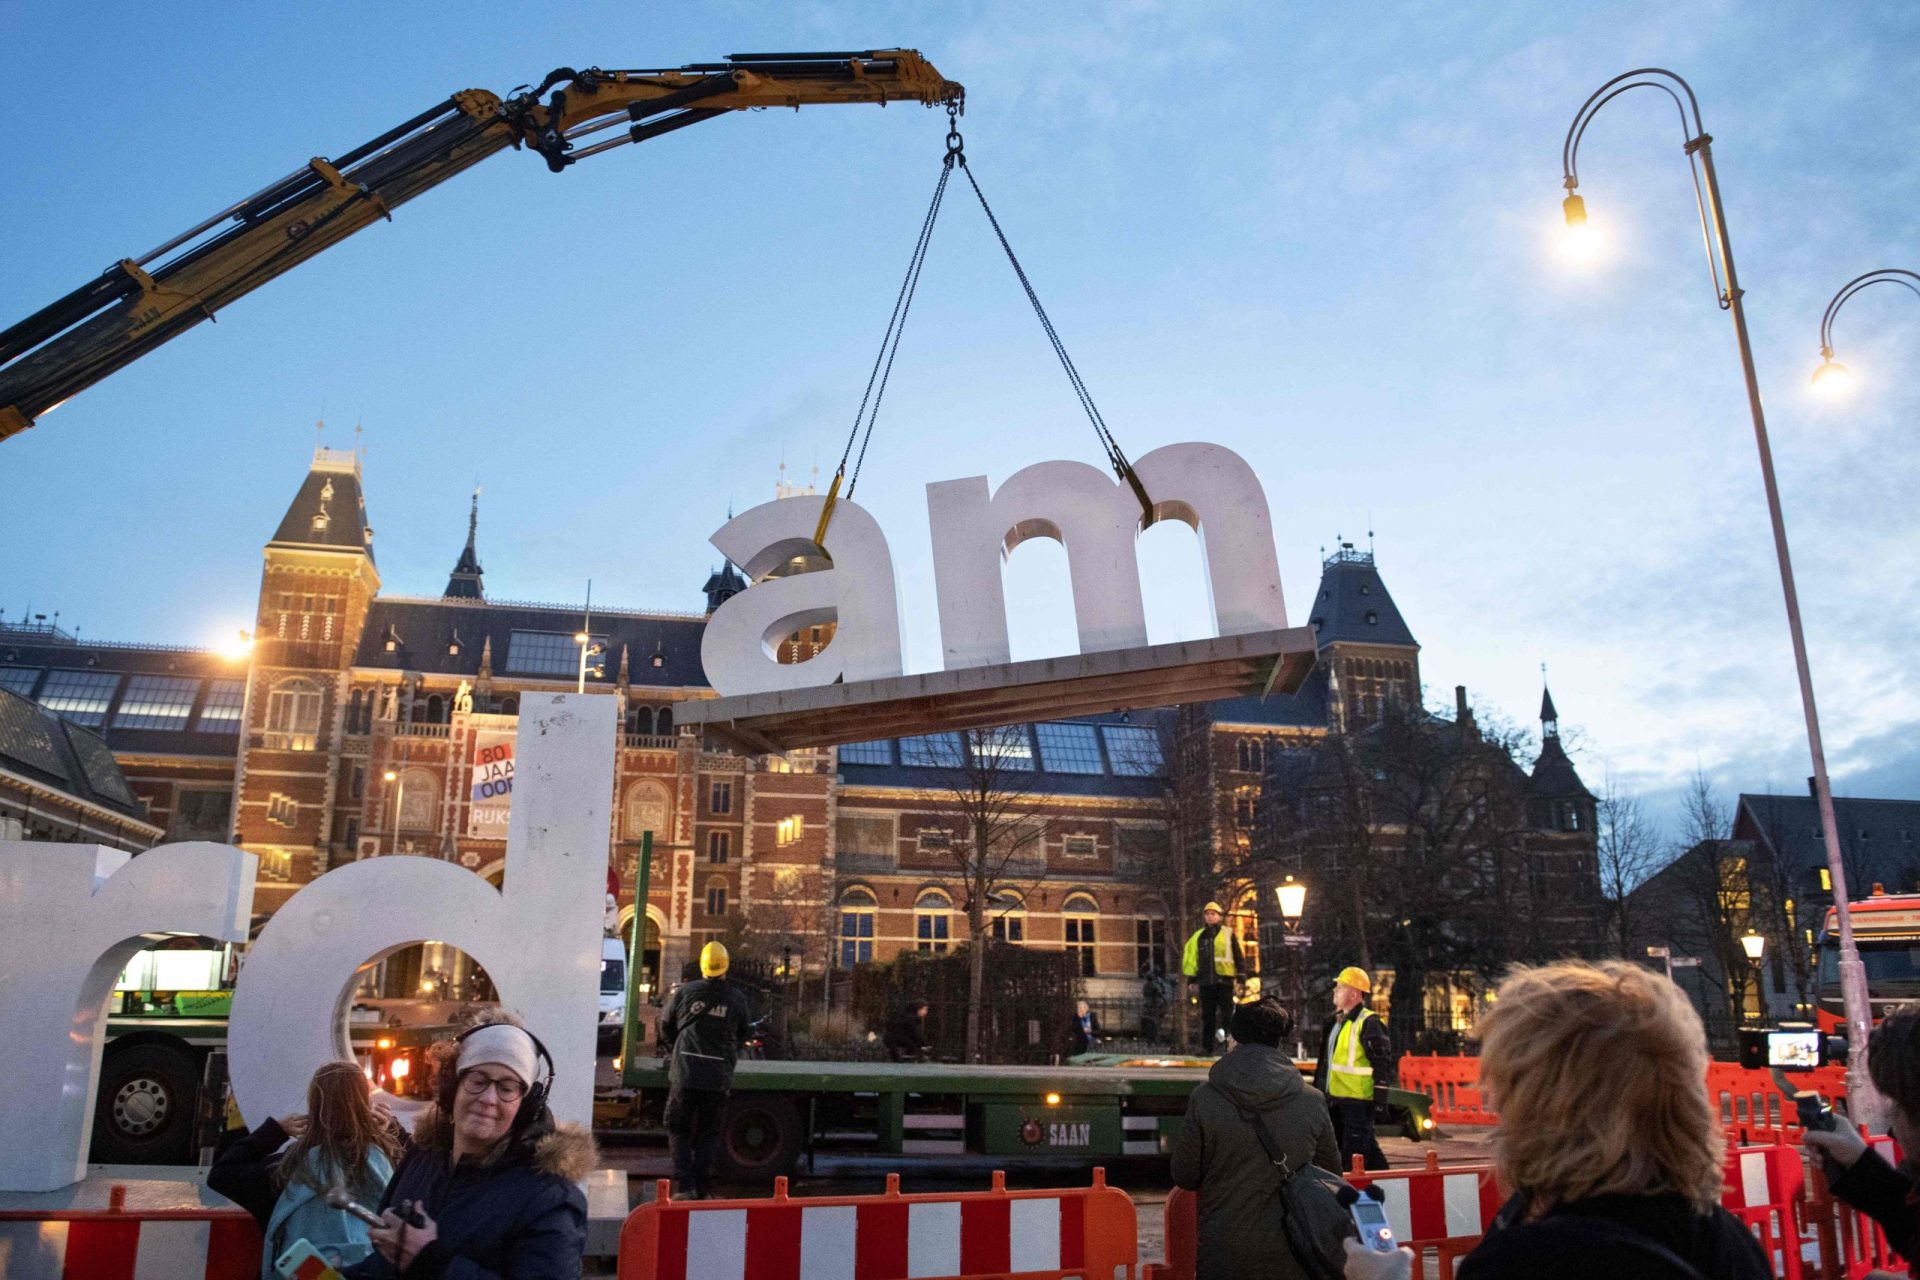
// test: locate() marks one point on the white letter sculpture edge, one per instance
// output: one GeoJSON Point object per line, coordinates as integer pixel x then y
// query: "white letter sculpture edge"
{"type": "Point", "coordinates": [71, 917]}
{"type": "Point", "coordinates": [1206, 486]}
{"type": "Point", "coordinates": [857, 594]}
{"type": "Point", "coordinates": [538, 938]}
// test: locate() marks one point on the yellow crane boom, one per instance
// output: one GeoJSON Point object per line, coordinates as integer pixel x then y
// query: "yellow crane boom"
{"type": "Point", "coordinates": [139, 303]}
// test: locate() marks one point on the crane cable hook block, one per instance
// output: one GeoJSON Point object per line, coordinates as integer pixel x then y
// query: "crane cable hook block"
{"type": "Point", "coordinates": [876, 389]}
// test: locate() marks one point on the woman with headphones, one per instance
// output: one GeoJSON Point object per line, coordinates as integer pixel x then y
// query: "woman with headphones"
{"type": "Point", "coordinates": [490, 1187]}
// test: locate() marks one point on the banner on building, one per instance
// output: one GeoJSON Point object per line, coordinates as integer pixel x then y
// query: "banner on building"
{"type": "Point", "coordinates": [491, 797]}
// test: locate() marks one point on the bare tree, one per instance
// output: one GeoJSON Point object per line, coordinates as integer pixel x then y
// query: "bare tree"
{"type": "Point", "coordinates": [1713, 903]}
{"type": "Point", "coordinates": [1629, 851]}
{"type": "Point", "coordinates": [986, 780]}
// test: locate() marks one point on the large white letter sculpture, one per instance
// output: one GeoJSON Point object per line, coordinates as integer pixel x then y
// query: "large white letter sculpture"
{"type": "Point", "coordinates": [71, 917]}
{"type": "Point", "coordinates": [1205, 486]}
{"type": "Point", "coordinates": [538, 937]}
{"type": "Point", "coordinates": [857, 594]}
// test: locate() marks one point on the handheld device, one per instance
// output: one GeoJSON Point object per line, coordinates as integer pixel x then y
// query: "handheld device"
{"type": "Point", "coordinates": [1790, 1047]}
{"type": "Point", "coordinates": [301, 1261]}
{"type": "Point", "coordinates": [1814, 1112]}
{"type": "Point", "coordinates": [1370, 1216]}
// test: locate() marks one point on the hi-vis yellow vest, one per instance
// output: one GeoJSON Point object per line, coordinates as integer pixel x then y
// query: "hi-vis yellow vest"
{"type": "Point", "coordinates": [1349, 1071]}
{"type": "Point", "coordinates": [1222, 953]}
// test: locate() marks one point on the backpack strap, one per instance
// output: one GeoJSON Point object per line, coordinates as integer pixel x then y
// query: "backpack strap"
{"type": "Point", "coordinates": [1260, 1130]}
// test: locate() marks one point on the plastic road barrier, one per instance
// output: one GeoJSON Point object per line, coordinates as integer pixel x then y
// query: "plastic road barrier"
{"type": "Point", "coordinates": [1453, 1084]}
{"type": "Point", "coordinates": [1849, 1244]}
{"type": "Point", "coordinates": [1764, 1185]}
{"type": "Point", "coordinates": [119, 1244]}
{"type": "Point", "coordinates": [1058, 1234]}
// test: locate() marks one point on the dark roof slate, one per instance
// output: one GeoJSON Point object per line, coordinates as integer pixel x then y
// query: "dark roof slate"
{"type": "Point", "coordinates": [1352, 604]}
{"type": "Point", "coordinates": [39, 745]}
{"type": "Point", "coordinates": [426, 630]}
{"type": "Point", "coordinates": [1880, 839]}
{"type": "Point", "coordinates": [1554, 774]}
{"type": "Point", "coordinates": [346, 510]}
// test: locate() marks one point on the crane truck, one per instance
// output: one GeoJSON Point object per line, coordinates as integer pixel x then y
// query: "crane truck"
{"type": "Point", "coordinates": [139, 303]}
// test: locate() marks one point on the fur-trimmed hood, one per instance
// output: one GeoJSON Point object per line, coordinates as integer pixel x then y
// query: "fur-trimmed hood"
{"type": "Point", "coordinates": [565, 1150]}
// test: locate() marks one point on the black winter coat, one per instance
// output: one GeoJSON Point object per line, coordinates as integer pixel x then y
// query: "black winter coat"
{"type": "Point", "coordinates": [703, 1027]}
{"type": "Point", "coordinates": [1241, 1235]}
{"type": "Point", "coordinates": [243, 1173]}
{"type": "Point", "coordinates": [1608, 1237]}
{"type": "Point", "coordinates": [519, 1216]}
{"type": "Point", "coordinates": [1888, 1195]}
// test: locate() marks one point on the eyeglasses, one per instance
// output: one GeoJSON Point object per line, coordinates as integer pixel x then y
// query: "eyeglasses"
{"type": "Point", "coordinates": [508, 1088]}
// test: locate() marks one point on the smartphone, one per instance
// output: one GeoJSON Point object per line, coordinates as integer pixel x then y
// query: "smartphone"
{"type": "Point", "coordinates": [1370, 1216]}
{"type": "Point", "coordinates": [302, 1261]}
{"type": "Point", "coordinates": [1814, 1113]}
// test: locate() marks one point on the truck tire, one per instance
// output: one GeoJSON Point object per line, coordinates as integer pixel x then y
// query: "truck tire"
{"type": "Point", "coordinates": [759, 1138]}
{"type": "Point", "coordinates": [144, 1110]}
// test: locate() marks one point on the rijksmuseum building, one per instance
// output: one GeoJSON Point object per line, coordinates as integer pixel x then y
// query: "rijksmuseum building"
{"type": "Point", "coordinates": [353, 727]}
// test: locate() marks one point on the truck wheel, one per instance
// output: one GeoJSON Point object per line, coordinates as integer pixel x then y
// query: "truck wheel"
{"type": "Point", "coordinates": [144, 1110]}
{"type": "Point", "coordinates": [759, 1137]}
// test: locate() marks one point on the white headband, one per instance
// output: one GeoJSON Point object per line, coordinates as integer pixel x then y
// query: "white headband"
{"type": "Point", "coordinates": [500, 1044]}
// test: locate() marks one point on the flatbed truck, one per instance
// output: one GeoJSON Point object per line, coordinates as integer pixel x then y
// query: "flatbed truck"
{"type": "Point", "coordinates": [1105, 1108]}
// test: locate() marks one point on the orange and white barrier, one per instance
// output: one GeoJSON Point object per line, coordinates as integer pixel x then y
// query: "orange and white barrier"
{"type": "Point", "coordinates": [95, 1244]}
{"type": "Point", "coordinates": [1850, 1245]}
{"type": "Point", "coordinates": [1452, 1084]}
{"type": "Point", "coordinates": [1034, 1235]}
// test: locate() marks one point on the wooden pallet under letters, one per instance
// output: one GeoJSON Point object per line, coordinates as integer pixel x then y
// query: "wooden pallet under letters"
{"type": "Point", "coordinates": [1081, 684]}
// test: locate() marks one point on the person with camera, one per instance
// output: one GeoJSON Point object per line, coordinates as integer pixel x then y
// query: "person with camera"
{"type": "Point", "coordinates": [1223, 1155]}
{"type": "Point", "coordinates": [1861, 1176]}
{"type": "Point", "coordinates": [489, 1189]}
{"type": "Point", "coordinates": [703, 1028]}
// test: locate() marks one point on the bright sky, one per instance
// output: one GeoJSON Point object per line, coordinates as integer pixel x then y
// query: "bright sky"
{"type": "Point", "coordinates": [1323, 236]}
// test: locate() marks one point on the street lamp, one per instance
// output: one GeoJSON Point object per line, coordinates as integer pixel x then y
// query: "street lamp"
{"type": "Point", "coordinates": [400, 798]}
{"type": "Point", "coordinates": [1832, 376]}
{"type": "Point", "coordinates": [1293, 904]}
{"type": "Point", "coordinates": [1755, 945]}
{"type": "Point", "coordinates": [1713, 228]}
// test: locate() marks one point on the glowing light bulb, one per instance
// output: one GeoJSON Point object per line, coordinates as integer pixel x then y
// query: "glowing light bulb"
{"type": "Point", "coordinates": [1832, 378]}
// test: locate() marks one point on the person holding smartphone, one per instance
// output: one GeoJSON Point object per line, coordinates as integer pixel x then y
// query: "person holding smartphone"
{"type": "Point", "coordinates": [1861, 1176]}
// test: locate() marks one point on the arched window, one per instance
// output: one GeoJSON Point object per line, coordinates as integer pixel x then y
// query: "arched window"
{"type": "Point", "coordinates": [1081, 910]}
{"type": "Point", "coordinates": [436, 709]}
{"type": "Point", "coordinates": [1252, 755]}
{"type": "Point", "coordinates": [509, 706]}
{"type": "Point", "coordinates": [354, 701]}
{"type": "Point", "coordinates": [648, 808]}
{"type": "Point", "coordinates": [1149, 936]}
{"type": "Point", "coordinates": [716, 903]}
{"type": "Point", "coordinates": [640, 721]}
{"type": "Point", "coordinates": [932, 922]}
{"type": "Point", "coordinates": [1008, 919]}
{"type": "Point", "coordinates": [857, 909]}
{"type": "Point", "coordinates": [417, 794]}
{"type": "Point", "coordinates": [663, 723]}
{"type": "Point", "coordinates": [293, 715]}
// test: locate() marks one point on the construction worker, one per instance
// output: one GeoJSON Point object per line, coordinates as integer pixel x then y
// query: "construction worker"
{"type": "Point", "coordinates": [1356, 1058]}
{"type": "Point", "coordinates": [702, 1027]}
{"type": "Point", "coordinates": [1212, 961]}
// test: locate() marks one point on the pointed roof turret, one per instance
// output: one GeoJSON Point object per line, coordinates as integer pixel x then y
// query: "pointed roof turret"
{"type": "Point", "coordinates": [1553, 773]}
{"type": "Point", "coordinates": [723, 583]}
{"type": "Point", "coordinates": [1549, 718]}
{"type": "Point", "coordinates": [465, 584]}
{"type": "Point", "coordinates": [329, 513]}
{"type": "Point", "coordinates": [1352, 604]}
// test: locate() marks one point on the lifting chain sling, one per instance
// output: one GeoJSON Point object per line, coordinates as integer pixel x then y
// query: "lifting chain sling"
{"type": "Point", "coordinates": [876, 388]}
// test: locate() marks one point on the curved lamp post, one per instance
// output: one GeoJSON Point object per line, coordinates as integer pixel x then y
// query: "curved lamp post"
{"type": "Point", "coordinates": [1713, 230]}
{"type": "Point", "coordinates": [1832, 375]}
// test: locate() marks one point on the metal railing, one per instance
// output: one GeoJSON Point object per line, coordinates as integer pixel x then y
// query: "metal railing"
{"type": "Point", "coordinates": [651, 742]}
{"type": "Point", "coordinates": [422, 730]}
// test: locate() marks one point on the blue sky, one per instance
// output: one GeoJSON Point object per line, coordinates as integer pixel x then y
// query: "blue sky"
{"type": "Point", "coordinates": [1324, 236]}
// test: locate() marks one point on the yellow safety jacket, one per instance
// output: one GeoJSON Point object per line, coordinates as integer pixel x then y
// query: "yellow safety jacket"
{"type": "Point", "coordinates": [1349, 1070]}
{"type": "Point", "coordinates": [1222, 953]}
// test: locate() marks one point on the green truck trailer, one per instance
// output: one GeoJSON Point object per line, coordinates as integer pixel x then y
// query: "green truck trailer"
{"type": "Point", "coordinates": [1101, 1107]}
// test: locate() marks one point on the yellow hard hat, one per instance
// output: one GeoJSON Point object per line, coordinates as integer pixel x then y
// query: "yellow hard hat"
{"type": "Point", "coordinates": [1355, 978]}
{"type": "Point", "coordinates": [1211, 906]}
{"type": "Point", "coordinates": [713, 960]}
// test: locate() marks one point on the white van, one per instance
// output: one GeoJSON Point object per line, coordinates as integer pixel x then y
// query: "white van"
{"type": "Point", "coordinates": [613, 988]}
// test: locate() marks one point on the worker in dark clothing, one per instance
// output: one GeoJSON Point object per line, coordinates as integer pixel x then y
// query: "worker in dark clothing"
{"type": "Point", "coordinates": [1211, 962]}
{"type": "Point", "coordinates": [702, 1028]}
{"type": "Point", "coordinates": [906, 1035]}
{"type": "Point", "coordinates": [1356, 1059]}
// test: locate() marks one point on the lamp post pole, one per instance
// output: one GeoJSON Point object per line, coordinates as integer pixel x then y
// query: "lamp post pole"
{"type": "Point", "coordinates": [1699, 148]}
{"type": "Point", "coordinates": [1831, 371]}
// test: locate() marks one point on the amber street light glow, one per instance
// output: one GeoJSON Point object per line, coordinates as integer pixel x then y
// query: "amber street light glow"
{"type": "Point", "coordinates": [1832, 377]}
{"type": "Point", "coordinates": [1293, 899]}
{"type": "Point", "coordinates": [1754, 944]}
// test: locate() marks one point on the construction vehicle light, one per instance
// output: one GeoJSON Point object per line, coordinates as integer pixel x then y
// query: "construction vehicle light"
{"type": "Point", "coordinates": [1053, 1099]}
